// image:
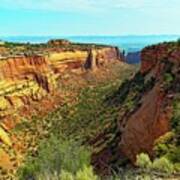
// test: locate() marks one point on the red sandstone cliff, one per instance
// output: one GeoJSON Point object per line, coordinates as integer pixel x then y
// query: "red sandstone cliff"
{"type": "Point", "coordinates": [152, 119]}
{"type": "Point", "coordinates": [28, 78]}
{"type": "Point", "coordinates": [24, 78]}
{"type": "Point", "coordinates": [149, 96]}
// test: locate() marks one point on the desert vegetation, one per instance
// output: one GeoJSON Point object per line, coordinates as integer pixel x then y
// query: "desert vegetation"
{"type": "Point", "coordinates": [77, 121]}
{"type": "Point", "coordinates": [67, 153]}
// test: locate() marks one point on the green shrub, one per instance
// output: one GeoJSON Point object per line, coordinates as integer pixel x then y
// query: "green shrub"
{"type": "Point", "coordinates": [86, 174]}
{"type": "Point", "coordinates": [143, 161]}
{"type": "Point", "coordinates": [47, 176]}
{"type": "Point", "coordinates": [159, 164]}
{"type": "Point", "coordinates": [163, 164]}
{"type": "Point", "coordinates": [166, 138]}
{"type": "Point", "coordinates": [143, 177]}
{"type": "Point", "coordinates": [175, 122]}
{"type": "Point", "coordinates": [177, 167]}
{"type": "Point", "coordinates": [178, 42]}
{"type": "Point", "coordinates": [174, 154]}
{"type": "Point", "coordinates": [168, 145]}
{"type": "Point", "coordinates": [131, 174]}
{"type": "Point", "coordinates": [66, 175]}
{"type": "Point", "coordinates": [53, 156]}
{"type": "Point", "coordinates": [29, 171]}
{"type": "Point", "coordinates": [168, 78]}
{"type": "Point", "coordinates": [162, 144]}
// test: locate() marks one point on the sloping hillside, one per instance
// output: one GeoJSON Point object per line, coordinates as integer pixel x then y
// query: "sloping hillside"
{"type": "Point", "coordinates": [145, 104]}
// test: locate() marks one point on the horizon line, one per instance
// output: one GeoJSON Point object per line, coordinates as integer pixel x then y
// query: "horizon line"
{"type": "Point", "coordinates": [93, 35]}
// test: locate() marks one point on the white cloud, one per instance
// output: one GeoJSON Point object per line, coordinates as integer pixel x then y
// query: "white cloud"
{"type": "Point", "coordinates": [86, 5]}
{"type": "Point", "coordinates": [46, 4]}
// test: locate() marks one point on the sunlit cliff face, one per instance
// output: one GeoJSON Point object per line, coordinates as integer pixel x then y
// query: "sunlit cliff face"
{"type": "Point", "coordinates": [145, 106]}
{"type": "Point", "coordinates": [33, 77]}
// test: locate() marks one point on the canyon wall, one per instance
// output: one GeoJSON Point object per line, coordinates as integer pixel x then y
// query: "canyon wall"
{"type": "Point", "coordinates": [152, 119]}
{"type": "Point", "coordinates": [32, 85]}
{"type": "Point", "coordinates": [23, 79]}
{"type": "Point", "coordinates": [145, 108]}
{"type": "Point", "coordinates": [90, 59]}
{"type": "Point", "coordinates": [154, 55]}
{"type": "Point", "coordinates": [29, 78]}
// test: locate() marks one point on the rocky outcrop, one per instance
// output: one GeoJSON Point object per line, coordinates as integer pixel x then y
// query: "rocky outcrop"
{"type": "Point", "coordinates": [152, 119]}
{"type": "Point", "coordinates": [29, 78]}
{"type": "Point", "coordinates": [144, 126]}
{"type": "Point", "coordinates": [90, 59]}
{"type": "Point", "coordinates": [97, 58]}
{"type": "Point", "coordinates": [145, 108]}
{"type": "Point", "coordinates": [59, 42]}
{"type": "Point", "coordinates": [153, 55]}
{"type": "Point", "coordinates": [22, 78]}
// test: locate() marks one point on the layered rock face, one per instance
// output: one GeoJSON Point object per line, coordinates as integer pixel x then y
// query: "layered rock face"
{"type": "Point", "coordinates": [90, 59]}
{"type": "Point", "coordinates": [29, 78]}
{"type": "Point", "coordinates": [152, 119]}
{"type": "Point", "coordinates": [23, 79]}
{"type": "Point", "coordinates": [152, 56]}
{"type": "Point", "coordinates": [145, 107]}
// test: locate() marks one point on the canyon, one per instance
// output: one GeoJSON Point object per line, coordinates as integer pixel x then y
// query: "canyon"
{"type": "Point", "coordinates": [133, 115]}
{"type": "Point", "coordinates": [145, 108]}
{"type": "Point", "coordinates": [30, 79]}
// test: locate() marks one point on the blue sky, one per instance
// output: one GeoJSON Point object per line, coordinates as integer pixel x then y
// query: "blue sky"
{"type": "Point", "coordinates": [89, 17]}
